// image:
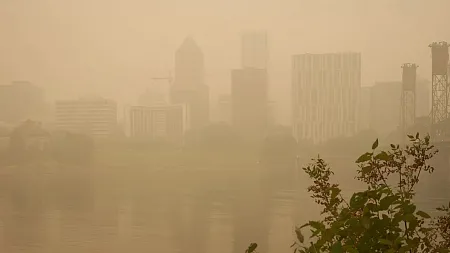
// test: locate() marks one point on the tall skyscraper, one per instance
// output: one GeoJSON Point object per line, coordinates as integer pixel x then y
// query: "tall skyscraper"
{"type": "Point", "coordinates": [189, 87]}
{"type": "Point", "coordinates": [325, 90]}
{"type": "Point", "coordinates": [255, 52]}
{"type": "Point", "coordinates": [249, 102]}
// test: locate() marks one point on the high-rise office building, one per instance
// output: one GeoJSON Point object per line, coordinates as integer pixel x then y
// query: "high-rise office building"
{"type": "Point", "coordinates": [189, 87]}
{"type": "Point", "coordinates": [254, 50]}
{"type": "Point", "coordinates": [20, 101]}
{"type": "Point", "coordinates": [158, 122]}
{"type": "Point", "coordinates": [96, 117]}
{"type": "Point", "coordinates": [325, 90]}
{"type": "Point", "coordinates": [249, 102]}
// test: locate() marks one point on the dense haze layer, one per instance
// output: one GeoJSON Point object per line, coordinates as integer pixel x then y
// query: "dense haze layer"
{"type": "Point", "coordinates": [114, 47]}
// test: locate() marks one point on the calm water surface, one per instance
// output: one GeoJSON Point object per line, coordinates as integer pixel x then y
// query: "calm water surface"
{"type": "Point", "coordinates": [192, 210]}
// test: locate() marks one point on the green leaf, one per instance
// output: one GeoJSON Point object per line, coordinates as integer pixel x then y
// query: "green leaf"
{"type": "Point", "coordinates": [386, 202]}
{"type": "Point", "coordinates": [366, 169]}
{"type": "Point", "coordinates": [335, 192]}
{"type": "Point", "coordinates": [423, 214]}
{"type": "Point", "coordinates": [375, 144]}
{"type": "Point", "coordinates": [337, 247]}
{"type": "Point", "coordinates": [385, 242]}
{"type": "Point", "coordinates": [300, 236]}
{"type": "Point", "coordinates": [317, 225]}
{"type": "Point", "coordinates": [406, 248]}
{"type": "Point", "coordinates": [365, 222]}
{"type": "Point", "coordinates": [383, 156]}
{"type": "Point", "coordinates": [409, 217]}
{"type": "Point", "coordinates": [350, 249]}
{"type": "Point", "coordinates": [364, 158]}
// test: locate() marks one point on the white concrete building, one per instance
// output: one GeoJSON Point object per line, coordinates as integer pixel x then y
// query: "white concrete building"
{"type": "Point", "coordinates": [162, 122]}
{"type": "Point", "coordinates": [325, 90]}
{"type": "Point", "coordinates": [93, 116]}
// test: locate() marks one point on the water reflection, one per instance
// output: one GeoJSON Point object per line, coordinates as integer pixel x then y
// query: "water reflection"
{"type": "Point", "coordinates": [157, 210]}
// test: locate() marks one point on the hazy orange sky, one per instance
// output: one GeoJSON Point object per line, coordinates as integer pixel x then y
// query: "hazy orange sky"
{"type": "Point", "coordinates": [114, 47]}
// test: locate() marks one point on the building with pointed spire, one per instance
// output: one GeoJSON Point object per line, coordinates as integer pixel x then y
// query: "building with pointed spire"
{"type": "Point", "coordinates": [189, 85]}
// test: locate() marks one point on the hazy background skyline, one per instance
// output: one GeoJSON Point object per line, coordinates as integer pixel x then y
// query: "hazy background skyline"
{"type": "Point", "coordinates": [113, 48]}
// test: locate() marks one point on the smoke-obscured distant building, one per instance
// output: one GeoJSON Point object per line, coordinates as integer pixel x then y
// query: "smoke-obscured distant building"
{"type": "Point", "coordinates": [223, 111]}
{"type": "Point", "coordinates": [385, 107]}
{"type": "Point", "coordinates": [163, 122]}
{"type": "Point", "coordinates": [20, 101]}
{"type": "Point", "coordinates": [96, 117]}
{"type": "Point", "coordinates": [255, 52]}
{"type": "Point", "coordinates": [271, 114]}
{"type": "Point", "coordinates": [423, 98]}
{"type": "Point", "coordinates": [385, 104]}
{"type": "Point", "coordinates": [249, 102]}
{"type": "Point", "coordinates": [325, 90]}
{"type": "Point", "coordinates": [189, 87]}
{"type": "Point", "coordinates": [364, 108]}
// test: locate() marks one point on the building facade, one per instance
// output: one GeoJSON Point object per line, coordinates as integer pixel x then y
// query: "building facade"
{"type": "Point", "coordinates": [364, 108]}
{"type": "Point", "coordinates": [163, 122]}
{"type": "Point", "coordinates": [254, 50]}
{"type": "Point", "coordinates": [21, 101]}
{"type": "Point", "coordinates": [385, 107]}
{"type": "Point", "coordinates": [189, 86]}
{"type": "Point", "coordinates": [325, 90]}
{"type": "Point", "coordinates": [423, 97]}
{"type": "Point", "coordinates": [96, 117]}
{"type": "Point", "coordinates": [249, 102]}
{"type": "Point", "coordinates": [385, 104]}
{"type": "Point", "coordinates": [224, 109]}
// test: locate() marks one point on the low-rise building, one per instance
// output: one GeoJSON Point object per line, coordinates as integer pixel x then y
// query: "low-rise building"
{"type": "Point", "coordinates": [159, 122]}
{"type": "Point", "coordinates": [96, 117]}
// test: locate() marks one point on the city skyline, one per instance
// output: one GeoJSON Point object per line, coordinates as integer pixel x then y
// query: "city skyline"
{"type": "Point", "coordinates": [129, 46]}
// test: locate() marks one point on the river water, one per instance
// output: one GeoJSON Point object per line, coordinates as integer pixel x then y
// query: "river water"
{"type": "Point", "coordinates": [134, 210]}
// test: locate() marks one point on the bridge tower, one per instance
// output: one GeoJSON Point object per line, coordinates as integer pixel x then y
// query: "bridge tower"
{"type": "Point", "coordinates": [440, 107]}
{"type": "Point", "coordinates": [408, 97]}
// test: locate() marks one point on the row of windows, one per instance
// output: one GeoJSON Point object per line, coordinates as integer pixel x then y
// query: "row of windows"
{"type": "Point", "coordinates": [327, 78]}
{"type": "Point", "coordinates": [327, 114]}
{"type": "Point", "coordinates": [335, 97]}
{"type": "Point", "coordinates": [322, 132]}
{"type": "Point", "coordinates": [327, 61]}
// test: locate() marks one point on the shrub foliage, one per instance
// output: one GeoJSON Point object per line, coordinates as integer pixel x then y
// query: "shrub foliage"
{"type": "Point", "coordinates": [382, 218]}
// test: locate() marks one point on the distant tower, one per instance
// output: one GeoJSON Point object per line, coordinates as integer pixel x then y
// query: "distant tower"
{"type": "Point", "coordinates": [408, 97]}
{"type": "Point", "coordinates": [440, 88]}
{"type": "Point", "coordinates": [189, 86]}
{"type": "Point", "coordinates": [254, 50]}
